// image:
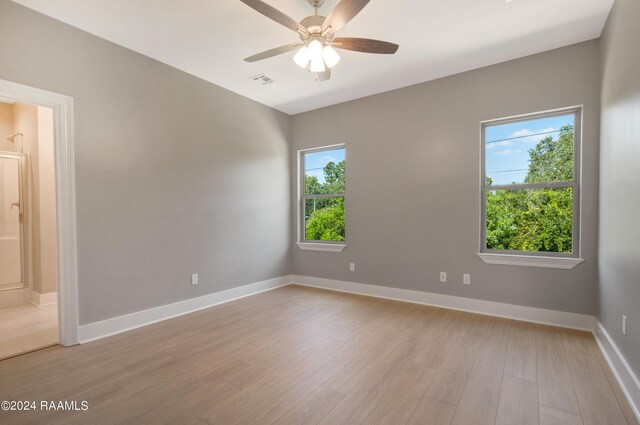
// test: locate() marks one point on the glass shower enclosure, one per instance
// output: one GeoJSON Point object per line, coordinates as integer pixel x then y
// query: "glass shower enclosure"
{"type": "Point", "coordinates": [13, 198]}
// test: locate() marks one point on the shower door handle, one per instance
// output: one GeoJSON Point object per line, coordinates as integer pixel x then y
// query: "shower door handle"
{"type": "Point", "coordinates": [17, 204]}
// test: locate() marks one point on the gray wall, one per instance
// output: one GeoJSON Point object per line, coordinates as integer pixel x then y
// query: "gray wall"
{"type": "Point", "coordinates": [174, 175]}
{"type": "Point", "coordinates": [619, 271]}
{"type": "Point", "coordinates": [413, 180]}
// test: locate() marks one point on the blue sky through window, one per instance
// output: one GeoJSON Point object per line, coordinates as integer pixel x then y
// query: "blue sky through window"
{"type": "Point", "coordinates": [507, 146]}
{"type": "Point", "coordinates": [315, 162]}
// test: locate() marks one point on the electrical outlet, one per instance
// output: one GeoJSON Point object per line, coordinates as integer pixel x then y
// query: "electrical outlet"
{"type": "Point", "coordinates": [352, 267]}
{"type": "Point", "coordinates": [443, 276]}
{"type": "Point", "coordinates": [624, 325]}
{"type": "Point", "coordinates": [194, 279]}
{"type": "Point", "coordinates": [466, 279]}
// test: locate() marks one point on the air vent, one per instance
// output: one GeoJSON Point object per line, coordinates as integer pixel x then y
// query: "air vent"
{"type": "Point", "coordinates": [263, 79]}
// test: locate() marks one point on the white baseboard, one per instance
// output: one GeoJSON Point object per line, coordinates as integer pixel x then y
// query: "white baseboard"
{"type": "Point", "coordinates": [116, 325]}
{"type": "Point", "coordinates": [623, 373]}
{"type": "Point", "coordinates": [41, 300]}
{"type": "Point", "coordinates": [490, 308]}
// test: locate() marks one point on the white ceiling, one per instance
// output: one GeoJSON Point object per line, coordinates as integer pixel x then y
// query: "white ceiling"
{"type": "Point", "coordinates": [210, 38]}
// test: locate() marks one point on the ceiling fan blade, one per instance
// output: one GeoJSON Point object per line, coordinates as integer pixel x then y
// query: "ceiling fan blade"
{"type": "Point", "coordinates": [365, 45]}
{"type": "Point", "coordinates": [343, 13]}
{"type": "Point", "coordinates": [272, 52]}
{"type": "Point", "coordinates": [324, 76]}
{"type": "Point", "coordinates": [274, 14]}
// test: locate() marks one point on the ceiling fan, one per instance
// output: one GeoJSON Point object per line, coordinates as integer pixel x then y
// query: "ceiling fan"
{"type": "Point", "coordinates": [316, 51]}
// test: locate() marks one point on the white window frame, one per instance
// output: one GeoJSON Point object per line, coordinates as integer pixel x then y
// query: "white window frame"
{"type": "Point", "coordinates": [532, 258]}
{"type": "Point", "coordinates": [303, 243]}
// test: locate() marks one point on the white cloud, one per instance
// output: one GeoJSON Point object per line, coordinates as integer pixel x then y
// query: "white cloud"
{"type": "Point", "coordinates": [508, 152]}
{"type": "Point", "coordinates": [536, 136]}
{"type": "Point", "coordinates": [327, 158]}
{"type": "Point", "coordinates": [319, 174]}
{"type": "Point", "coordinates": [494, 145]}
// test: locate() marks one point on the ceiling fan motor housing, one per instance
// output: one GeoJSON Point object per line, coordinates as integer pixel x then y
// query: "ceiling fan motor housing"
{"type": "Point", "coordinates": [313, 24]}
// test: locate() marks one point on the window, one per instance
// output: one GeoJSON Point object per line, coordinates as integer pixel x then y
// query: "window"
{"type": "Point", "coordinates": [322, 198]}
{"type": "Point", "coordinates": [530, 190]}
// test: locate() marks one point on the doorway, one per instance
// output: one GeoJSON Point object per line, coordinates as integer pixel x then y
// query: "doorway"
{"type": "Point", "coordinates": [38, 271]}
{"type": "Point", "coordinates": [28, 248]}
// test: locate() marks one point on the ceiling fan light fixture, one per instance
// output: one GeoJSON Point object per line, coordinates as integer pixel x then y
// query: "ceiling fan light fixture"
{"type": "Point", "coordinates": [301, 58]}
{"type": "Point", "coordinates": [330, 56]}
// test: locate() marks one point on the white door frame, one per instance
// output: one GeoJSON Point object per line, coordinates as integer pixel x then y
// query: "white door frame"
{"type": "Point", "coordinates": [65, 199]}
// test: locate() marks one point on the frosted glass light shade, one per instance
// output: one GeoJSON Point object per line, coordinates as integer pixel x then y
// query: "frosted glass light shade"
{"type": "Point", "coordinates": [315, 50]}
{"type": "Point", "coordinates": [301, 58]}
{"type": "Point", "coordinates": [317, 65]}
{"type": "Point", "coordinates": [331, 57]}
{"type": "Point", "coordinates": [315, 55]}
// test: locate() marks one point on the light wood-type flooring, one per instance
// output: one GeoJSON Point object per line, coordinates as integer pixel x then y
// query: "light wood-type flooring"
{"type": "Point", "coordinates": [26, 328]}
{"type": "Point", "coordinates": [305, 356]}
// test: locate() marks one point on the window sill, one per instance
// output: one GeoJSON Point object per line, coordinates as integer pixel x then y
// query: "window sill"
{"type": "Point", "coordinates": [325, 247]}
{"type": "Point", "coordinates": [530, 261]}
